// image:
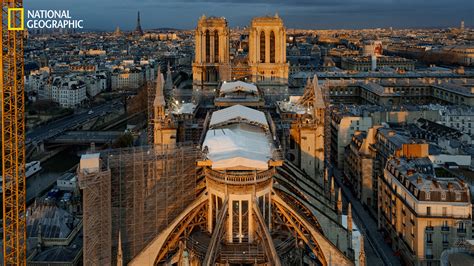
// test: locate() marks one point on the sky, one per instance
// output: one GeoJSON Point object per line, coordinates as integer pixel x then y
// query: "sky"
{"type": "Point", "coordinates": [302, 14]}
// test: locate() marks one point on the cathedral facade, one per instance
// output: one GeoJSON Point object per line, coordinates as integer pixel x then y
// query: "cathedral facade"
{"type": "Point", "coordinates": [267, 54]}
{"type": "Point", "coordinates": [265, 64]}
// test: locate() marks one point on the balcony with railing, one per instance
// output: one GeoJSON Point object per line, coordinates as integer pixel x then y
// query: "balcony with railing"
{"type": "Point", "coordinates": [240, 177]}
{"type": "Point", "coordinates": [242, 253]}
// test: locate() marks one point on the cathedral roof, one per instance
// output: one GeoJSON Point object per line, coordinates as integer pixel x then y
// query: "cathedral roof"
{"type": "Point", "coordinates": [238, 113]}
{"type": "Point", "coordinates": [227, 87]}
{"type": "Point", "coordinates": [238, 139]}
{"type": "Point", "coordinates": [238, 147]}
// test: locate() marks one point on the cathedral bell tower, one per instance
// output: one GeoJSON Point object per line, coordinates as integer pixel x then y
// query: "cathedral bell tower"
{"type": "Point", "coordinates": [267, 54]}
{"type": "Point", "coordinates": [211, 62]}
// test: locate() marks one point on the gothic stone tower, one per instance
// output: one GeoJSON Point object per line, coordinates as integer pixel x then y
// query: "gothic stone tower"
{"type": "Point", "coordinates": [267, 54]}
{"type": "Point", "coordinates": [211, 63]}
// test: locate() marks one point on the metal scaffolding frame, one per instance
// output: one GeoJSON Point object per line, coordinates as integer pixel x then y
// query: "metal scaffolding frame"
{"type": "Point", "coordinates": [138, 192]}
{"type": "Point", "coordinates": [151, 92]}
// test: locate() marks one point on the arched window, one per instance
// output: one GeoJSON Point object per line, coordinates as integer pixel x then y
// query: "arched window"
{"type": "Point", "coordinates": [216, 46]}
{"type": "Point", "coordinates": [272, 47]}
{"type": "Point", "coordinates": [208, 47]}
{"type": "Point", "coordinates": [262, 47]}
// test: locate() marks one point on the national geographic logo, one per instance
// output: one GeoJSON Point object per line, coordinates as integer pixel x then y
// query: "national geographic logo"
{"type": "Point", "coordinates": [12, 21]}
{"type": "Point", "coordinates": [42, 19]}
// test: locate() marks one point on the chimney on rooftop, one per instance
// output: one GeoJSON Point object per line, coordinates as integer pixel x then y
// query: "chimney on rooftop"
{"type": "Point", "coordinates": [419, 180]}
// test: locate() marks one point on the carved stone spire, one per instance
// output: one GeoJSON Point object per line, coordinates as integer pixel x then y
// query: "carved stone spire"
{"type": "Point", "coordinates": [332, 191]}
{"type": "Point", "coordinates": [159, 102]}
{"type": "Point", "coordinates": [119, 251]}
{"type": "Point", "coordinates": [362, 251]}
{"type": "Point", "coordinates": [349, 217]}
{"type": "Point", "coordinates": [169, 80]}
{"type": "Point", "coordinates": [349, 225]}
{"type": "Point", "coordinates": [339, 205]}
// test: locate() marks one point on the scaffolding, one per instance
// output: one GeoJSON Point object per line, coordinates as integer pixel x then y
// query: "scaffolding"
{"type": "Point", "coordinates": [138, 192]}
{"type": "Point", "coordinates": [151, 92]}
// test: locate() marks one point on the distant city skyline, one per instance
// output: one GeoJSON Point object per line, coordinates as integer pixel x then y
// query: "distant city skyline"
{"type": "Point", "coordinates": [303, 14]}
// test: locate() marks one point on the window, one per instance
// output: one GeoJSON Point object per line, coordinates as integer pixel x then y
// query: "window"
{"type": "Point", "coordinates": [262, 47]}
{"type": "Point", "coordinates": [443, 195]}
{"type": "Point", "coordinates": [208, 46]}
{"type": "Point", "coordinates": [272, 47]}
{"type": "Point", "coordinates": [429, 238]}
{"type": "Point", "coordinates": [216, 46]}
{"type": "Point", "coordinates": [458, 196]}
{"type": "Point", "coordinates": [428, 195]}
{"type": "Point", "coordinates": [429, 255]}
{"type": "Point", "coordinates": [428, 210]}
{"type": "Point", "coordinates": [445, 238]}
{"type": "Point", "coordinates": [445, 210]}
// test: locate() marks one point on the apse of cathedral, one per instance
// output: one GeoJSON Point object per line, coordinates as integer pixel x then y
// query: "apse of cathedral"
{"type": "Point", "coordinates": [256, 189]}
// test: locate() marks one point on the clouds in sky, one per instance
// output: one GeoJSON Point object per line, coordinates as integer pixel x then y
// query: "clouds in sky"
{"type": "Point", "coordinates": [315, 14]}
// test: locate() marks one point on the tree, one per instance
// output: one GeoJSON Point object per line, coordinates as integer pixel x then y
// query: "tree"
{"type": "Point", "coordinates": [125, 140]}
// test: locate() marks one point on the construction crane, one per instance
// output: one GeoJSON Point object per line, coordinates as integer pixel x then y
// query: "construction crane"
{"type": "Point", "coordinates": [12, 99]}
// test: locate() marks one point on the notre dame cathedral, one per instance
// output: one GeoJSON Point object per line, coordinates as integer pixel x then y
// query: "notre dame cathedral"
{"type": "Point", "coordinates": [265, 64]}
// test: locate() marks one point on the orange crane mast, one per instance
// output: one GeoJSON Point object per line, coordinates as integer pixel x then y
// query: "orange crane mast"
{"type": "Point", "coordinates": [12, 98]}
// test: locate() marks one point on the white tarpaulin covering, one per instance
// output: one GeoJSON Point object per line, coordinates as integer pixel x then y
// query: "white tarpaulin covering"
{"type": "Point", "coordinates": [227, 87]}
{"type": "Point", "coordinates": [238, 112]}
{"type": "Point", "coordinates": [184, 108]}
{"type": "Point", "coordinates": [238, 147]}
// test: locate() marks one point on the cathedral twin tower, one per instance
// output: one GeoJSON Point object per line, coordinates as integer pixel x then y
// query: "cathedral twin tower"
{"type": "Point", "coordinates": [266, 61]}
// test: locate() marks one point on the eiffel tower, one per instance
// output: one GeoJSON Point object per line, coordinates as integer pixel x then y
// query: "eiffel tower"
{"type": "Point", "coordinates": [138, 30]}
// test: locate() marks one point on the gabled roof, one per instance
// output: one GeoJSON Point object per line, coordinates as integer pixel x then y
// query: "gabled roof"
{"type": "Point", "coordinates": [238, 113]}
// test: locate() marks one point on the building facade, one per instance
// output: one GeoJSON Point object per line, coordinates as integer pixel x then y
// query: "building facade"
{"type": "Point", "coordinates": [265, 64]}
{"type": "Point", "coordinates": [267, 53]}
{"type": "Point", "coordinates": [211, 58]}
{"type": "Point", "coordinates": [422, 213]}
{"type": "Point", "coordinates": [69, 94]}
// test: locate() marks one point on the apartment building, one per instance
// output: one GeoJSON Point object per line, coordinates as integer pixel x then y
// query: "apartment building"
{"type": "Point", "coordinates": [421, 212]}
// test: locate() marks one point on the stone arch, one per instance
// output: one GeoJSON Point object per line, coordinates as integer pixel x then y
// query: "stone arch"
{"type": "Point", "coordinates": [262, 47]}
{"type": "Point", "coordinates": [216, 46]}
{"type": "Point", "coordinates": [160, 245]}
{"type": "Point", "coordinates": [207, 37]}
{"type": "Point", "coordinates": [322, 248]}
{"type": "Point", "coordinates": [272, 47]}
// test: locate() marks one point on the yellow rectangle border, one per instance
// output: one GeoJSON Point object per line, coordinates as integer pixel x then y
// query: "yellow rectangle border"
{"type": "Point", "coordinates": [22, 19]}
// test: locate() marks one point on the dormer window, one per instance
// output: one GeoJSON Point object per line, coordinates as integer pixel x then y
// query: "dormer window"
{"type": "Point", "coordinates": [443, 195]}
{"type": "Point", "coordinates": [458, 196]}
